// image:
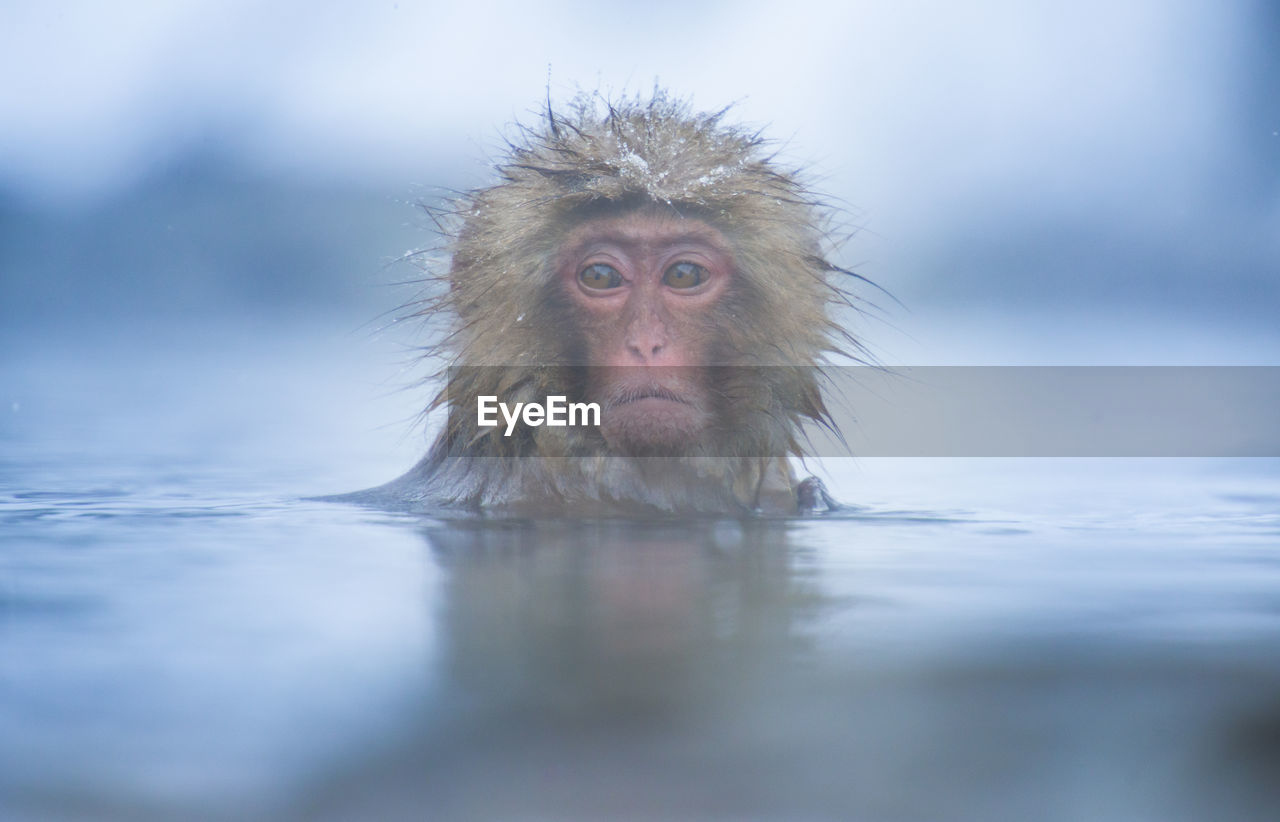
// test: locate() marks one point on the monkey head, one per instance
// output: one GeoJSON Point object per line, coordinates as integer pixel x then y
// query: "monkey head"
{"type": "Point", "coordinates": [652, 260]}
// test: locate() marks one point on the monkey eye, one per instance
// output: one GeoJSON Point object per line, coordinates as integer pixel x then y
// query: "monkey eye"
{"type": "Point", "coordinates": [599, 276]}
{"type": "Point", "coordinates": [684, 275]}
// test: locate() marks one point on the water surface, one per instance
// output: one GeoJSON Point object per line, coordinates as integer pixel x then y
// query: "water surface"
{"type": "Point", "coordinates": [183, 635]}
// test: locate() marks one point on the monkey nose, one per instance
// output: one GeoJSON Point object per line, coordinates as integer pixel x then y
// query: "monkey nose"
{"type": "Point", "coordinates": [648, 351]}
{"type": "Point", "coordinates": [646, 342]}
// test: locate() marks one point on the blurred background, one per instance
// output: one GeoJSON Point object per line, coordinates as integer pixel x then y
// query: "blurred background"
{"type": "Point", "coordinates": [1089, 183]}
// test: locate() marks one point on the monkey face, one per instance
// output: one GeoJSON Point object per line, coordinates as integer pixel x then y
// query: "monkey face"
{"type": "Point", "coordinates": [645, 288]}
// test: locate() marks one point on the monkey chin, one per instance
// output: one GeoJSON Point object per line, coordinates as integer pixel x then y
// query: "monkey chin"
{"type": "Point", "coordinates": [654, 425]}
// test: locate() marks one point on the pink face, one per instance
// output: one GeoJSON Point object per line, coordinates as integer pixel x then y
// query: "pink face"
{"type": "Point", "coordinates": [644, 286]}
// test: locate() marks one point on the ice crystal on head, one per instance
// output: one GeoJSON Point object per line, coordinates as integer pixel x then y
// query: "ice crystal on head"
{"type": "Point", "coordinates": [599, 151]}
{"type": "Point", "coordinates": [713, 176]}
{"type": "Point", "coordinates": [635, 167]}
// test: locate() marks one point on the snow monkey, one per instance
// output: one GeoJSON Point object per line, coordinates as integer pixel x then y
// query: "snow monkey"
{"type": "Point", "coordinates": [655, 273]}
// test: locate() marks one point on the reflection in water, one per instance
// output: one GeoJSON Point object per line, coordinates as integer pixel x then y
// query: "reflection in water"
{"type": "Point", "coordinates": [620, 618]}
{"type": "Point", "coordinates": [685, 670]}
{"type": "Point", "coordinates": [590, 666]}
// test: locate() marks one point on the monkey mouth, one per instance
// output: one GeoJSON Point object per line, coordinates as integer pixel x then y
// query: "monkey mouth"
{"type": "Point", "coordinates": [652, 412]}
{"type": "Point", "coordinates": [627, 396]}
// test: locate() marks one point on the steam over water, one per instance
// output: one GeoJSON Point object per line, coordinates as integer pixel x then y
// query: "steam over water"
{"type": "Point", "coordinates": [182, 636]}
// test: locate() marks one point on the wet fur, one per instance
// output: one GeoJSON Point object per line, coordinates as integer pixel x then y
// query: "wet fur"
{"type": "Point", "coordinates": [505, 313]}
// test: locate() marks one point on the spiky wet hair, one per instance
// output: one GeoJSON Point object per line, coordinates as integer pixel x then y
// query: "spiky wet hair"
{"type": "Point", "coordinates": [601, 156]}
{"type": "Point", "coordinates": [513, 329]}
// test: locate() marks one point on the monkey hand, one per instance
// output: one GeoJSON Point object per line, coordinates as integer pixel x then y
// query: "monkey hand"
{"type": "Point", "coordinates": [812, 497]}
